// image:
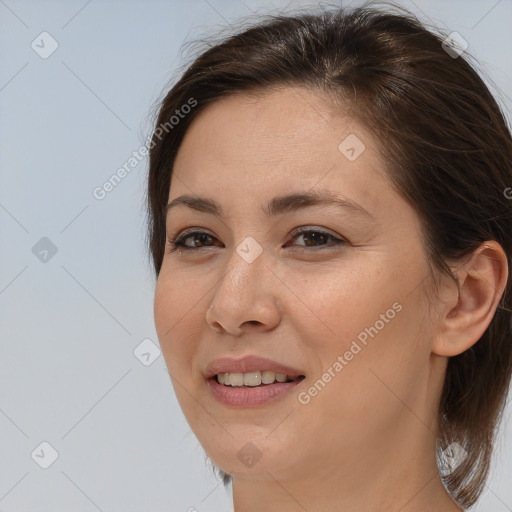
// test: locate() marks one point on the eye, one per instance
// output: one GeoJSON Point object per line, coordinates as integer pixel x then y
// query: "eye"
{"type": "Point", "coordinates": [311, 237]}
{"type": "Point", "coordinates": [198, 237]}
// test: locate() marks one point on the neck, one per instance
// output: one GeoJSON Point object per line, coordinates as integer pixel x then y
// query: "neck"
{"type": "Point", "coordinates": [400, 474]}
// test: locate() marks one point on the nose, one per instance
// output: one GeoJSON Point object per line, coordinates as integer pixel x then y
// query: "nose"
{"type": "Point", "coordinates": [245, 299]}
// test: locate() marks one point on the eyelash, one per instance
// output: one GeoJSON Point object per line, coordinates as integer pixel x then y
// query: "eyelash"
{"type": "Point", "coordinates": [178, 242]}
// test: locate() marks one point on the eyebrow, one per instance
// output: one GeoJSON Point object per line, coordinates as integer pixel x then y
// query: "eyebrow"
{"type": "Point", "coordinates": [277, 205]}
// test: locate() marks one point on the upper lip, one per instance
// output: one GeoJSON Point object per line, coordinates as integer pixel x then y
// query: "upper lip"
{"type": "Point", "coordinates": [248, 364]}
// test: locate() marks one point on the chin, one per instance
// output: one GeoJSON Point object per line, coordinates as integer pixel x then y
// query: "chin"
{"type": "Point", "coordinates": [250, 455]}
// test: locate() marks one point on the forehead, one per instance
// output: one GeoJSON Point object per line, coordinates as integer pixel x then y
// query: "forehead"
{"type": "Point", "coordinates": [249, 146]}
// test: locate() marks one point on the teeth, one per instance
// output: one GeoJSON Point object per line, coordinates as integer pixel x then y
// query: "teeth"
{"type": "Point", "coordinates": [251, 379]}
{"type": "Point", "coordinates": [267, 377]}
{"type": "Point", "coordinates": [236, 379]}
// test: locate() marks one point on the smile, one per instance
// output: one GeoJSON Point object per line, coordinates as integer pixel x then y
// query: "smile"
{"type": "Point", "coordinates": [253, 379]}
{"type": "Point", "coordinates": [250, 396]}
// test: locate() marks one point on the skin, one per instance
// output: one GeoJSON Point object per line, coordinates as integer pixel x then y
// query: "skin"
{"type": "Point", "coordinates": [366, 442]}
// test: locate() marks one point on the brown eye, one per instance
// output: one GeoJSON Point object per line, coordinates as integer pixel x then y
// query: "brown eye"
{"type": "Point", "coordinates": [193, 240]}
{"type": "Point", "coordinates": [198, 239]}
{"type": "Point", "coordinates": [316, 238]}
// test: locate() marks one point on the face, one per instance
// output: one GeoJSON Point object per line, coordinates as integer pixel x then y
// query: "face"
{"type": "Point", "coordinates": [332, 291]}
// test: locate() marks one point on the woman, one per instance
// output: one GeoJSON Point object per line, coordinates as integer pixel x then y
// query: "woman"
{"type": "Point", "coordinates": [330, 224]}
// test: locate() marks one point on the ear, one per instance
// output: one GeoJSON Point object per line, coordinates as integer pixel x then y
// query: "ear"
{"type": "Point", "coordinates": [470, 307]}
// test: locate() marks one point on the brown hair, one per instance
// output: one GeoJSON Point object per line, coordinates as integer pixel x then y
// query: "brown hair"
{"type": "Point", "coordinates": [448, 152]}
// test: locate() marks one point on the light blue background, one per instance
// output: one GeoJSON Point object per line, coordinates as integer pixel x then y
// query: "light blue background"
{"type": "Point", "coordinates": [68, 374]}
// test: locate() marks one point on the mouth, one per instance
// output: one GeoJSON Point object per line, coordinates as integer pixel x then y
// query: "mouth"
{"type": "Point", "coordinates": [250, 370]}
{"type": "Point", "coordinates": [251, 395]}
{"type": "Point", "coordinates": [251, 381]}
{"type": "Point", "coordinates": [256, 379]}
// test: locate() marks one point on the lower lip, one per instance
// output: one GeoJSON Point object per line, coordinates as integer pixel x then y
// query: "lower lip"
{"type": "Point", "coordinates": [249, 397]}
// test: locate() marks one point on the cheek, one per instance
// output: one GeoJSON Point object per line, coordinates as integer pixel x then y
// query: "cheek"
{"type": "Point", "coordinates": [176, 299]}
{"type": "Point", "coordinates": [173, 316]}
{"type": "Point", "coordinates": [164, 303]}
{"type": "Point", "coordinates": [368, 317]}
{"type": "Point", "coordinates": [175, 322]}
{"type": "Point", "coordinates": [339, 302]}
{"type": "Point", "coordinates": [374, 386]}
